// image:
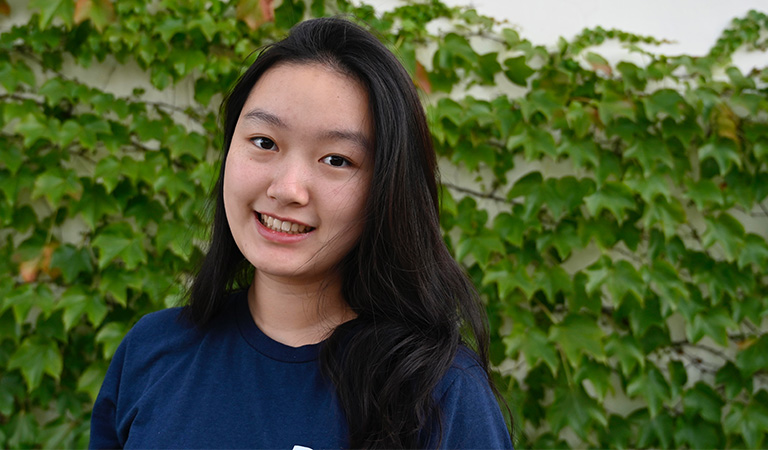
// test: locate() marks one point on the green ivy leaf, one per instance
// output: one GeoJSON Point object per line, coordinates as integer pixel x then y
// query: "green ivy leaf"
{"type": "Point", "coordinates": [543, 101]}
{"type": "Point", "coordinates": [534, 141]}
{"type": "Point", "coordinates": [94, 205]}
{"type": "Point", "coordinates": [118, 240]}
{"type": "Point", "coordinates": [697, 434]}
{"type": "Point", "coordinates": [55, 184]}
{"type": "Point", "coordinates": [668, 214]}
{"type": "Point", "coordinates": [108, 172]}
{"type": "Point", "coordinates": [632, 76]}
{"type": "Point", "coordinates": [174, 183]}
{"type": "Point", "coordinates": [597, 274]}
{"type": "Point", "coordinates": [704, 193]}
{"type": "Point", "coordinates": [71, 261]}
{"type": "Point", "coordinates": [655, 429]}
{"type": "Point", "coordinates": [114, 284]}
{"type": "Point", "coordinates": [614, 197]}
{"type": "Point", "coordinates": [730, 378]}
{"type": "Point", "coordinates": [724, 152]}
{"type": "Point", "coordinates": [24, 429]}
{"type": "Point", "coordinates": [508, 278]}
{"type": "Point", "coordinates": [702, 400]}
{"type": "Point", "coordinates": [517, 70]}
{"type": "Point", "coordinates": [652, 386]}
{"type": "Point", "coordinates": [526, 185]}
{"type": "Point", "coordinates": [54, 90]}
{"type": "Point", "coordinates": [552, 280]}
{"type": "Point", "coordinates": [576, 335]}
{"type": "Point", "coordinates": [665, 102]}
{"type": "Point", "coordinates": [510, 228]}
{"type": "Point", "coordinates": [473, 155]}
{"type": "Point", "coordinates": [564, 239]}
{"type": "Point", "coordinates": [34, 128]}
{"type": "Point", "coordinates": [613, 107]}
{"type": "Point", "coordinates": [755, 252]}
{"type": "Point", "coordinates": [184, 61]}
{"type": "Point", "coordinates": [69, 131]}
{"type": "Point", "coordinates": [454, 52]}
{"type": "Point", "coordinates": [753, 356]}
{"type": "Point", "coordinates": [650, 187]}
{"type": "Point", "coordinates": [595, 375]}
{"type": "Point", "coordinates": [648, 152]}
{"type": "Point", "coordinates": [34, 357]}
{"type": "Point", "coordinates": [627, 352]}
{"type": "Point", "coordinates": [739, 80]}
{"type": "Point", "coordinates": [625, 279]}
{"type": "Point", "coordinates": [175, 237]}
{"type": "Point", "coordinates": [750, 420]}
{"type": "Point", "coordinates": [726, 231]}
{"type": "Point", "coordinates": [50, 9]}
{"type": "Point", "coordinates": [535, 347]}
{"type": "Point", "coordinates": [91, 379]}
{"type": "Point", "coordinates": [481, 247]}
{"type": "Point", "coordinates": [160, 77]}
{"type": "Point", "coordinates": [76, 302]}
{"type": "Point", "coordinates": [574, 408]}
{"type": "Point", "coordinates": [23, 298]}
{"type": "Point", "coordinates": [11, 387]}
{"type": "Point", "coordinates": [678, 377]}
{"type": "Point", "coordinates": [713, 323]}
{"type": "Point", "coordinates": [110, 336]}
{"type": "Point", "coordinates": [487, 68]}
{"type": "Point", "coordinates": [667, 284]}
{"type": "Point", "coordinates": [563, 195]}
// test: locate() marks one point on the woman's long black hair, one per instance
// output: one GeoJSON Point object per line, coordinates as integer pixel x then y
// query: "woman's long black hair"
{"type": "Point", "coordinates": [410, 296]}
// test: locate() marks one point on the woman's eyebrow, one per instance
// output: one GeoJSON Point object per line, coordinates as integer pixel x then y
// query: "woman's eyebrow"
{"type": "Point", "coordinates": [357, 138]}
{"type": "Point", "coordinates": [259, 115]}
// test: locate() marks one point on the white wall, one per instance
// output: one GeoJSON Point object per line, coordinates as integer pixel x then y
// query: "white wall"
{"type": "Point", "coordinates": [692, 25]}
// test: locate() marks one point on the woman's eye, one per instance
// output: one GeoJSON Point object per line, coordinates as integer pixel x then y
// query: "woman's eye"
{"type": "Point", "coordinates": [335, 161]}
{"type": "Point", "coordinates": [265, 143]}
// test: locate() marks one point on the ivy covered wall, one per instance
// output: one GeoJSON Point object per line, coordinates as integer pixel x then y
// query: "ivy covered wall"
{"type": "Point", "coordinates": [627, 289]}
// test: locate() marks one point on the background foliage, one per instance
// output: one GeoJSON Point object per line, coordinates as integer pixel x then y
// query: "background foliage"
{"type": "Point", "coordinates": [616, 225]}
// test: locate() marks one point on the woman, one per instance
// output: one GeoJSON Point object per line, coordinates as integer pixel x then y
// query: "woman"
{"type": "Point", "coordinates": [327, 311]}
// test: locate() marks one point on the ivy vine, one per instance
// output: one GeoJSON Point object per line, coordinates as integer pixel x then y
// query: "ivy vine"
{"type": "Point", "coordinates": [617, 225]}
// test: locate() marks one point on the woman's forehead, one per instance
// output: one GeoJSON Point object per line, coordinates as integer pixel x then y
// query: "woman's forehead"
{"type": "Point", "coordinates": [310, 96]}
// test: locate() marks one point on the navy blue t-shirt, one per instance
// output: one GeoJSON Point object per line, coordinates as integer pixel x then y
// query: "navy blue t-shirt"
{"type": "Point", "coordinates": [171, 385]}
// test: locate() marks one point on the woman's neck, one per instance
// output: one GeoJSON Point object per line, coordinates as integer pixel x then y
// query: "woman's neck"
{"type": "Point", "coordinates": [297, 314]}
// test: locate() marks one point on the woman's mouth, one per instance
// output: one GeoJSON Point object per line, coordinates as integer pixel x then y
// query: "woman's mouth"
{"type": "Point", "coordinates": [283, 226]}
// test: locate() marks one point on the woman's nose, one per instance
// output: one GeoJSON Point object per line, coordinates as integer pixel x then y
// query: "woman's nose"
{"type": "Point", "coordinates": [289, 184]}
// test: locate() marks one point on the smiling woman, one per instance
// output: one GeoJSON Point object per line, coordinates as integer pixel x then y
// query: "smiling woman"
{"type": "Point", "coordinates": [326, 313]}
{"type": "Point", "coordinates": [298, 157]}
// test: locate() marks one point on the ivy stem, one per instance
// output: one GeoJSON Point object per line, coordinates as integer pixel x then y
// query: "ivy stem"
{"type": "Point", "coordinates": [488, 195]}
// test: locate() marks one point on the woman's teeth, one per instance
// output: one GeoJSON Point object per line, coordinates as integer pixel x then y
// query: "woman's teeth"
{"type": "Point", "coordinates": [283, 225]}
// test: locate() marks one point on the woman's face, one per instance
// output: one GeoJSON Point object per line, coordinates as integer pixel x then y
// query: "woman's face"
{"type": "Point", "coordinates": [298, 171]}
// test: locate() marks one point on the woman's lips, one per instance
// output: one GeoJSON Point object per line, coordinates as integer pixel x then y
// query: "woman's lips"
{"type": "Point", "coordinates": [280, 236]}
{"type": "Point", "coordinates": [284, 226]}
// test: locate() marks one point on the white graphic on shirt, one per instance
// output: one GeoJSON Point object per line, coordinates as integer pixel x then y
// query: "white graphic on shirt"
{"type": "Point", "coordinates": [300, 447]}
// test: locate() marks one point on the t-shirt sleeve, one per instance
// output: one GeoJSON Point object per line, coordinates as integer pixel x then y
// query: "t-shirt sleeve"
{"type": "Point", "coordinates": [471, 417]}
{"type": "Point", "coordinates": [104, 433]}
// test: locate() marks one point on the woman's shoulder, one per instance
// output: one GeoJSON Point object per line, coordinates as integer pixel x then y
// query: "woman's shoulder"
{"type": "Point", "coordinates": [470, 412]}
{"type": "Point", "coordinates": [169, 332]}
{"type": "Point", "coordinates": [158, 327]}
{"type": "Point", "coordinates": [465, 369]}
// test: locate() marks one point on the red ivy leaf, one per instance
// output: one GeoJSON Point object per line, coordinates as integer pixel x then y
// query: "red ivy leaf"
{"type": "Point", "coordinates": [99, 12]}
{"type": "Point", "coordinates": [599, 63]}
{"type": "Point", "coordinates": [255, 12]}
{"type": "Point", "coordinates": [422, 79]}
{"type": "Point", "coordinates": [5, 8]}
